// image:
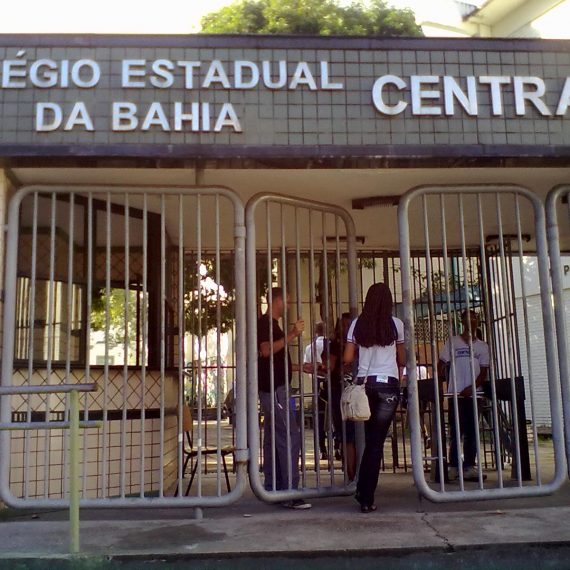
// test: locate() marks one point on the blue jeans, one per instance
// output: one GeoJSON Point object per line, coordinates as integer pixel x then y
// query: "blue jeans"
{"type": "Point", "coordinates": [383, 400]}
{"type": "Point", "coordinates": [283, 478]}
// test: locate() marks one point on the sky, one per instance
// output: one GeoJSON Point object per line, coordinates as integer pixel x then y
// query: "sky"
{"type": "Point", "coordinates": [116, 16]}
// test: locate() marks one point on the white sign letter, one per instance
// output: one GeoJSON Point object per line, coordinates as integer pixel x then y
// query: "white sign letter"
{"type": "Point", "coordinates": [239, 81]}
{"type": "Point", "coordinates": [268, 82]}
{"type": "Point", "coordinates": [534, 96]}
{"type": "Point", "coordinates": [216, 74]}
{"type": "Point", "coordinates": [163, 69]}
{"type": "Point", "coordinates": [564, 100]}
{"type": "Point", "coordinates": [325, 78]}
{"type": "Point", "coordinates": [418, 94]}
{"type": "Point", "coordinates": [180, 117]}
{"type": "Point", "coordinates": [378, 98]}
{"type": "Point", "coordinates": [495, 81]}
{"type": "Point", "coordinates": [128, 72]}
{"type": "Point", "coordinates": [42, 122]}
{"type": "Point", "coordinates": [452, 91]}
{"type": "Point", "coordinates": [188, 67]}
{"type": "Point", "coordinates": [124, 116]}
{"type": "Point", "coordinates": [76, 73]}
{"type": "Point", "coordinates": [227, 118]}
{"type": "Point", "coordinates": [155, 116]}
{"type": "Point", "coordinates": [303, 76]}
{"type": "Point", "coordinates": [10, 70]}
{"type": "Point", "coordinates": [79, 116]}
{"type": "Point", "coordinates": [44, 79]}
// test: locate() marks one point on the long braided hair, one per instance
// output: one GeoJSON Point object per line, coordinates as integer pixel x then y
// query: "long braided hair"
{"type": "Point", "coordinates": [375, 325]}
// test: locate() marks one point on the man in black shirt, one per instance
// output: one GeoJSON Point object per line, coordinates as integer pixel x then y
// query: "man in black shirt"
{"type": "Point", "coordinates": [271, 351]}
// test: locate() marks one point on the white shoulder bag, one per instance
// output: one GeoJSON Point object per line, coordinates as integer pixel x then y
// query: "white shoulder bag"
{"type": "Point", "coordinates": [354, 404]}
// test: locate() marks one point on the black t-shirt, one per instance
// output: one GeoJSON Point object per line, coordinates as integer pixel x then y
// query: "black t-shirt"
{"type": "Point", "coordinates": [264, 364]}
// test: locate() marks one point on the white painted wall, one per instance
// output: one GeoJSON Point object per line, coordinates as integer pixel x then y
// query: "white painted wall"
{"type": "Point", "coordinates": [537, 361]}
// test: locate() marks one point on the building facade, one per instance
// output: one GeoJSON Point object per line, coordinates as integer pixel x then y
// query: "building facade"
{"type": "Point", "coordinates": [111, 132]}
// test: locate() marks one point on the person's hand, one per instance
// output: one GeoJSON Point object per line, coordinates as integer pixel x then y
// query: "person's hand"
{"type": "Point", "coordinates": [298, 327]}
{"type": "Point", "coordinates": [467, 392]}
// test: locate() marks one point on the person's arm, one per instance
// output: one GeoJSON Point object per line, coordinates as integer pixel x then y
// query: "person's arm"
{"type": "Point", "coordinates": [401, 354]}
{"type": "Point", "coordinates": [349, 353]}
{"type": "Point", "coordinates": [468, 390]}
{"type": "Point", "coordinates": [297, 330]}
{"type": "Point", "coordinates": [400, 346]}
{"type": "Point", "coordinates": [350, 347]}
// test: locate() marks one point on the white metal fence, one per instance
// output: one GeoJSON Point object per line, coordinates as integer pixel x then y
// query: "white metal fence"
{"type": "Point", "coordinates": [142, 292]}
{"type": "Point", "coordinates": [453, 217]}
{"type": "Point", "coordinates": [138, 275]}
{"type": "Point", "coordinates": [308, 250]}
{"type": "Point", "coordinates": [557, 196]}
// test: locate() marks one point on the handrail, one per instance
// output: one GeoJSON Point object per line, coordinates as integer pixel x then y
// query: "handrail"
{"type": "Point", "coordinates": [52, 389]}
{"type": "Point", "coordinates": [74, 425]}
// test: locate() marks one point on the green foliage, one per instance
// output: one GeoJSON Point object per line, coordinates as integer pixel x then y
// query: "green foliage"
{"type": "Point", "coordinates": [311, 17]}
{"type": "Point", "coordinates": [117, 314]}
{"type": "Point", "coordinates": [201, 302]}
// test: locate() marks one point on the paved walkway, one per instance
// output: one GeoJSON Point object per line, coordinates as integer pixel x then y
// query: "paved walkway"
{"type": "Point", "coordinates": [402, 525]}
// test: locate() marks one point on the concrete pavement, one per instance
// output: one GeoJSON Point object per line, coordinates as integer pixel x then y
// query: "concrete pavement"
{"type": "Point", "coordinates": [403, 526]}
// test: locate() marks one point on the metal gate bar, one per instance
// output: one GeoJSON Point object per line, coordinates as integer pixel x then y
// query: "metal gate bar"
{"type": "Point", "coordinates": [553, 198]}
{"type": "Point", "coordinates": [113, 200]}
{"type": "Point", "coordinates": [478, 192]}
{"type": "Point", "coordinates": [285, 258]}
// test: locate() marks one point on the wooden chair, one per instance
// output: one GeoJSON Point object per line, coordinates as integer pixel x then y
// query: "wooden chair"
{"type": "Point", "coordinates": [190, 453]}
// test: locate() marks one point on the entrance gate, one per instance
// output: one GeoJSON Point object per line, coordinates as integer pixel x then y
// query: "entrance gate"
{"type": "Point", "coordinates": [124, 288]}
{"type": "Point", "coordinates": [309, 252]}
{"type": "Point", "coordinates": [102, 272]}
{"type": "Point", "coordinates": [455, 217]}
{"type": "Point", "coordinates": [558, 195]}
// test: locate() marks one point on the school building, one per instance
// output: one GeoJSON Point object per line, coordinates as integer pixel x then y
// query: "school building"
{"type": "Point", "coordinates": [154, 187]}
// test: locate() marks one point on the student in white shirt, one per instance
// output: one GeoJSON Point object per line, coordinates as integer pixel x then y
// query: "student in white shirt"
{"type": "Point", "coordinates": [380, 340]}
{"type": "Point", "coordinates": [314, 354]}
{"type": "Point", "coordinates": [461, 383]}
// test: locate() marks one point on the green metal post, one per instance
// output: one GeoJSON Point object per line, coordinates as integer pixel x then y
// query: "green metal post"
{"type": "Point", "coordinates": [74, 472]}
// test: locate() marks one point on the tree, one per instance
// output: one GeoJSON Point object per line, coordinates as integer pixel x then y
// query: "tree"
{"type": "Point", "coordinates": [311, 17]}
{"type": "Point", "coordinates": [119, 326]}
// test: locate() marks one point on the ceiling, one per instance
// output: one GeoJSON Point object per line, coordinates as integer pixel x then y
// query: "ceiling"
{"type": "Point", "coordinates": [376, 225]}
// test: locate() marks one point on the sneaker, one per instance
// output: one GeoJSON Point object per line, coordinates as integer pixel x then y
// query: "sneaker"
{"type": "Point", "coordinates": [297, 504]}
{"type": "Point", "coordinates": [452, 474]}
{"type": "Point", "coordinates": [472, 474]}
{"type": "Point", "coordinates": [351, 486]}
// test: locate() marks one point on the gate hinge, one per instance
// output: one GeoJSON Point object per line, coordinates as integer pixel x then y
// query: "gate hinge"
{"type": "Point", "coordinates": [242, 455]}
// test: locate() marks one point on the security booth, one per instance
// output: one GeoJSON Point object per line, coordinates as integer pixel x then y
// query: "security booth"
{"type": "Point", "coordinates": [156, 189]}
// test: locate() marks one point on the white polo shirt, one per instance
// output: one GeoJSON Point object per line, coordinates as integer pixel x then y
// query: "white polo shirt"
{"type": "Point", "coordinates": [376, 359]}
{"type": "Point", "coordinates": [317, 343]}
{"type": "Point", "coordinates": [463, 361]}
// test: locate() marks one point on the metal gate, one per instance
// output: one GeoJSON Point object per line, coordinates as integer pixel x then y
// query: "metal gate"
{"type": "Point", "coordinates": [307, 250]}
{"type": "Point", "coordinates": [556, 196]}
{"type": "Point", "coordinates": [493, 219]}
{"type": "Point", "coordinates": [141, 291]}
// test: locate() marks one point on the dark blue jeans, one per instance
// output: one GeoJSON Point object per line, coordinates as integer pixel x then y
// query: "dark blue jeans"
{"type": "Point", "coordinates": [466, 429]}
{"type": "Point", "coordinates": [383, 400]}
{"type": "Point", "coordinates": [283, 478]}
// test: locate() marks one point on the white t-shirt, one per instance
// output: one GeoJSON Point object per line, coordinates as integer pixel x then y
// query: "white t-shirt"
{"type": "Point", "coordinates": [378, 359]}
{"type": "Point", "coordinates": [463, 361]}
{"type": "Point", "coordinates": [319, 343]}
